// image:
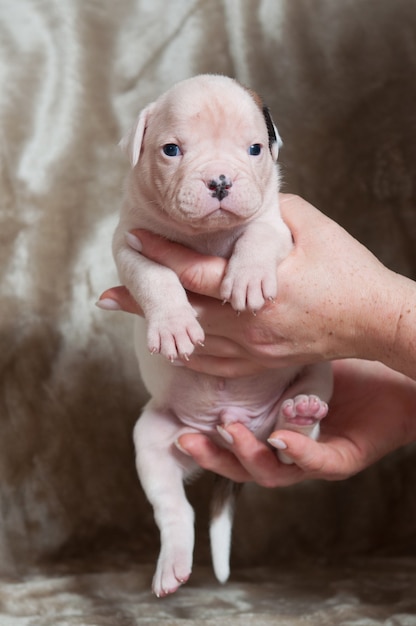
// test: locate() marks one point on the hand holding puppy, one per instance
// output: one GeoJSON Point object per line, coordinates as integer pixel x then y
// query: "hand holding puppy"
{"type": "Point", "coordinates": [335, 300]}
{"type": "Point", "coordinates": [365, 315]}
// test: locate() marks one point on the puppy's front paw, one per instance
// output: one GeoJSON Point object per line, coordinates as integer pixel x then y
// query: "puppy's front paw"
{"type": "Point", "coordinates": [174, 334]}
{"type": "Point", "coordinates": [249, 288]}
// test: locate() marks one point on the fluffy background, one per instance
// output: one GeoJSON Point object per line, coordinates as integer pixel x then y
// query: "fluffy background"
{"type": "Point", "coordinates": [77, 538]}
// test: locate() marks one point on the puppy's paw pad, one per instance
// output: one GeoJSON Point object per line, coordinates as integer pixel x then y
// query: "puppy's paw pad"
{"type": "Point", "coordinates": [303, 410]}
{"type": "Point", "coordinates": [301, 414]}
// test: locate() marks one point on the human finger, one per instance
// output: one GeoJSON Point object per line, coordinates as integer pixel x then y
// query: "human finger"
{"type": "Point", "coordinates": [214, 458]}
{"type": "Point", "coordinates": [332, 458]}
{"type": "Point", "coordinates": [222, 367]}
{"type": "Point", "coordinates": [118, 299]}
{"type": "Point", "coordinates": [259, 460]}
{"type": "Point", "coordinates": [198, 273]}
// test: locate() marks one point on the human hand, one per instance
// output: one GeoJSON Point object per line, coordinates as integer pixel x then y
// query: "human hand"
{"type": "Point", "coordinates": [371, 414]}
{"type": "Point", "coordinates": [332, 294]}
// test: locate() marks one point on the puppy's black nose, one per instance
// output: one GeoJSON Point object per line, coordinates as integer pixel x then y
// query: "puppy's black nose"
{"type": "Point", "coordinates": [220, 186]}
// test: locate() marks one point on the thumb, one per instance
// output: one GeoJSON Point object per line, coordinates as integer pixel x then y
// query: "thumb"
{"type": "Point", "coordinates": [118, 298]}
{"type": "Point", "coordinates": [331, 460]}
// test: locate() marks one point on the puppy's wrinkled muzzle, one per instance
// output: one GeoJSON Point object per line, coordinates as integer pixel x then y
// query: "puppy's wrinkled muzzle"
{"type": "Point", "coordinates": [220, 186]}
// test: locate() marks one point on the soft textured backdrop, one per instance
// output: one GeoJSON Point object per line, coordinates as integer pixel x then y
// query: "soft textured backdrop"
{"type": "Point", "coordinates": [77, 538]}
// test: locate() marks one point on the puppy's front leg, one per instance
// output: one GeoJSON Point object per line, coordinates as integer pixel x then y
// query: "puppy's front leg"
{"type": "Point", "coordinates": [162, 469]}
{"type": "Point", "coordinates": [172, 327]}
{"type": "Point", "coordinates": [250, 279]}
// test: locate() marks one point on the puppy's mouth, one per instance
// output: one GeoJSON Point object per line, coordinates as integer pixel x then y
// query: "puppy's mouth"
{"type": "Point", "coordinates": [221, 210]}
{"type": "Point", "coordinates": [228, 203]}
{"type": "Point", "coordinates": [223, 213]}
{"type": "Point", "coordinates": [211, 220]}
{"type": "Point", "coordinates": [218, 205]}
{"type": "Point", "coordinates": [217, 218]}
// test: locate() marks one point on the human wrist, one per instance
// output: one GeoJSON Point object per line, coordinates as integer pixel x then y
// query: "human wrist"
{"type": "Point", "coordinates": [402, 353]}
{"type": "Point", "coordinates": [389, 335]}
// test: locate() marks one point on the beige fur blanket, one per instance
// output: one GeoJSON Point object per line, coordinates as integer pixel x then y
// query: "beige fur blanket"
{"type": "Point", "coordinates": [77, 538]}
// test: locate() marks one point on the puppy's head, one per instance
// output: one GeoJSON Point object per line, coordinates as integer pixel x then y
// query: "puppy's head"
{"type": "Point", "coordinates": [204, 153]}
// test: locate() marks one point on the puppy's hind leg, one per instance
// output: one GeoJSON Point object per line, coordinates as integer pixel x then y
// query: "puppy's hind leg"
{"type": "Point", "coordinates": [162, 470]}
{"type": "Point", "coordinates": [304, 404]}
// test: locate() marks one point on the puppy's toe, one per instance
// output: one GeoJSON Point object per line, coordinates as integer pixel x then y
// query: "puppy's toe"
{"type": "Point", "coordinates": [269, 287]}
{"type": "Point", "coordinates": [302, 411]}
{"type": "Point", "coordinates": [196, 333]}
{"type": "Point", "coordinates": [170, 575]}
{"type": "Point", "coordinates": [175, 335]}
{"type": "Point", "coordinates": [255, 297]}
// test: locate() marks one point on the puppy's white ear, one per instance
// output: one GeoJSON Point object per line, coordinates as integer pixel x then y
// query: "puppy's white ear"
{"type": "Point", "coordinates": [275, 141]}
{"type": "Point", "coordinates": [132, 142]}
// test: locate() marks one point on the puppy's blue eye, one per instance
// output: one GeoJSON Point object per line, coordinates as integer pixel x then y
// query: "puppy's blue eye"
{"type": "Point", "coordinates": [171, 150]}
{"type": "Point", "coordinates": [255, 149]}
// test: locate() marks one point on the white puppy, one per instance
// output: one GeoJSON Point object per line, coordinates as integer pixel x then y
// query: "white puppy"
{"type": "Point", "coordinates": [204, 174]}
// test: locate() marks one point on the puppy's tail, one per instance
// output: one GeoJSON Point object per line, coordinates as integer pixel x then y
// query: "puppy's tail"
{"type": "Point", "coordinates": [222, 513]}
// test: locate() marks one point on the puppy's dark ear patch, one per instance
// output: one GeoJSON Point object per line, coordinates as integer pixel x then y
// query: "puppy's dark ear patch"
{"type": "Point", "coordinates": [275, 141]}
{"type": "Point", "coordinates": [270, 127]}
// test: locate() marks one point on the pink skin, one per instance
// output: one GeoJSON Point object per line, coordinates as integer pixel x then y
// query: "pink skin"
{"type": "Point", "coordinates": [301, 414]}
{"type": "Point", "coordinates": [303, 410]}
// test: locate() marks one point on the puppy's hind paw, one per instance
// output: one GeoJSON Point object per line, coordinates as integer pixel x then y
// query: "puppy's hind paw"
{"type": "Point", "coordinates": [169, 576]}
{"type": "Point", "coordinates": [302, 414]}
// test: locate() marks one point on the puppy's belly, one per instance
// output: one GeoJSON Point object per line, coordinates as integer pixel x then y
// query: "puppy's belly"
{"type": "Point", "coordinates": [203, 402]}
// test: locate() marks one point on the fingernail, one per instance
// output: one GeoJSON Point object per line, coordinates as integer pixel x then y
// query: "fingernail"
{"type": "Point", "coordinates": [225, 435]}
{"type": "Point", "coordinates": [277, 443]}
{"type": "Point", "coordinates": [178, 363]}
{"type": "Point", "coordinates": [134, 242]}
{"type": "Point", "coordinates": [107, 304]}
{"type": "Point", "coordinates": [178, 445]}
